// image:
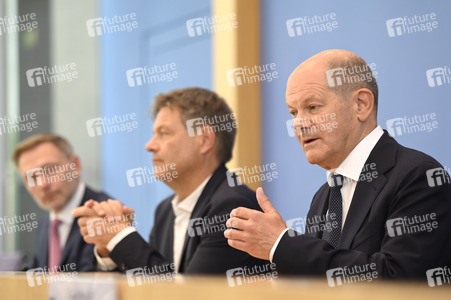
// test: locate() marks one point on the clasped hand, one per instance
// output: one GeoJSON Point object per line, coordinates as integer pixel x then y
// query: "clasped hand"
{"type": "Point", "coordinates": [99, 222]}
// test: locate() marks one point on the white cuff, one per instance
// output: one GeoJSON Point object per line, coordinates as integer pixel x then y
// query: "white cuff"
{"type": "Point", "coordinates": [104, 263]}
{"type": "Point", "coordinates": [271, 254]}
{"type": "Point", "coordinates": [119, 237]}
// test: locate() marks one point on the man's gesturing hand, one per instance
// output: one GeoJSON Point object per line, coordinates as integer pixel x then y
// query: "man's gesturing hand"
{"type": "Point", "coordinates": [255, 232]}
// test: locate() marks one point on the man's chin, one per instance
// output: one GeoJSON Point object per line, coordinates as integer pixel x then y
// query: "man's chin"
{"type": "Point", "coordinates": [52, 205]}
{"type": "Point", "coordinates": [314, 159]}
{"type": "Point", "coordinates": [163, 176]}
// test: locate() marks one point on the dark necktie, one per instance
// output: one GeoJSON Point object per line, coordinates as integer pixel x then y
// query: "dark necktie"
{"type": "Point", "coordinates": [335, 210]}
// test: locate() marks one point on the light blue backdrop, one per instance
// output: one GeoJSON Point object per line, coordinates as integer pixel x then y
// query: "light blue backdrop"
{"type": "Point", "coordinates": [161, 38]}
{"type": "Point", "coordinates": [401, 64]}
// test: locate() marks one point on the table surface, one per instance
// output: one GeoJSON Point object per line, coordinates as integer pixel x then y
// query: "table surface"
{"type": "Point", "coordinates": [15, 286]}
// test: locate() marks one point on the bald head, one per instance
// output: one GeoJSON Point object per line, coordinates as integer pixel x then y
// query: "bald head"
{"type": "Point", "coordinates": [342, 71]}
{"type": "Point", "coordinates": [321, 61]}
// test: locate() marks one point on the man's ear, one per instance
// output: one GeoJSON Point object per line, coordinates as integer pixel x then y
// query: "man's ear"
{"type": "Point", "coordinates": [208, 139]}
{"type": "Point", "coordinates": [76, 160]}
{"type": "Point", "coordinates": [365, 104]}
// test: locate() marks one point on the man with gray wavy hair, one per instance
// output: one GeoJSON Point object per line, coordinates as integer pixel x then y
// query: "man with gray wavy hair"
{"type": "Point", "coordinates": [190, 134]}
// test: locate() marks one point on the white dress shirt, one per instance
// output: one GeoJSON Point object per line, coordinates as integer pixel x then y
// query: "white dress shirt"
{"type": "Point", "coordinates": [65, 215]}
{"type": "Point", "coordinates": [350, 169]}
{"type": "Point", "coordinates": [182, 211]}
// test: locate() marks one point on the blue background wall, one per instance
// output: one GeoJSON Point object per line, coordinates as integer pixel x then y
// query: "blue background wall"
{"type": "Point", "coordinates": [401, 64]}
{"type": "Point", "coordinates": [161, 38]}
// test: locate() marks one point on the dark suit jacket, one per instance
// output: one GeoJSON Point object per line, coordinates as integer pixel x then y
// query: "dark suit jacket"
{"type": "Point", "coordinates": [400, 190]}
{"type": "Point", "coordinates": [207, 252]}
{"type": "Point", "coordinates": [76, 250]}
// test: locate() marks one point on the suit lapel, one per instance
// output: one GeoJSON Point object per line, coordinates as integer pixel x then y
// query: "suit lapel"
{"type": "Point", "coordinates": [364, 196]}
{"type": "Point", "coordinates": [167, 244]}
{"type": "Point", "coordinates": [74, 238]}
{"type": "Point", "coordinates": [216, 179]}
{"type": "Point", "coordinates": [43, 255]}
{"type": "Point", "coordinates": [317, 211]}
{"type": "Point", "coordinates": [384, 157]}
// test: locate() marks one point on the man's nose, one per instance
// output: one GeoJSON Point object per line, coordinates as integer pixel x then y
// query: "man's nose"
{"type": "Point", "coordinates": [151, 145]}
{"type": "Point", "coordinates": [300, 124]}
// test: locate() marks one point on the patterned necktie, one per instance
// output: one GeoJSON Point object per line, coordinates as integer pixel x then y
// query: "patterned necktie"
{"type": "Point", "coordinates": [335, 212]}
{"type": "Point", "coordinates": [54, 244]}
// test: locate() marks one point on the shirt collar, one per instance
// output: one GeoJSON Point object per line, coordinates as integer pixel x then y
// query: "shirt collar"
{"type": "Point", "coordinates": [65, 215]}
{"type": "Point", "coordinates": [188, 204]}
{"type": "Point", "coordinates": [353, 164]}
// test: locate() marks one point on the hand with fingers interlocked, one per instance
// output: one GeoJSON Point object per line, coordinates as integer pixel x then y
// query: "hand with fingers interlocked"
{"type": "Point", "coordinates": [100, 221]}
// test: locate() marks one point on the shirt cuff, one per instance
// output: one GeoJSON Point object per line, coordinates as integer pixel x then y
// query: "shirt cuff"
{"type": "Point", "coordinates": [271, 254]}
{"type": "Point", "coordinates": [104, 263]}
{"type": "Point", "coordinates": [119, 237]}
